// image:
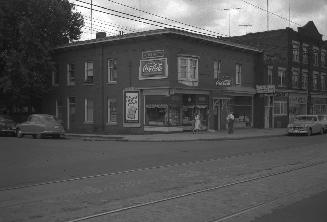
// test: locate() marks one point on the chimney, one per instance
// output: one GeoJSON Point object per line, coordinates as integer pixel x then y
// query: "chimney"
{"type": "Point", "coordinates": [100, 35]}
{"type": "Point", "coordinates": [121, 32]}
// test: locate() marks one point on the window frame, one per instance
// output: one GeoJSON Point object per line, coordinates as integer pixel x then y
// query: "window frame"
{"type": "Point", "coordinates": [305, 53]}
{"type": "Point", "coordinates": [282, 106]}
{"type": "Point", "coordinates": [109, 120]}
{"type": "Point", "coordinates": [187, 79]}
{"type": "Point", "coordinates": [315, 56]}
{"type": "Point", "coordinates": [86, 111]}
{"type": "Point", "coordinates": [71, 79]}
{"type": "Point", "coordinates": [112, 74]}
{"type": "Point", "coordinates": [305, 76]}
{"type": "Point", "coordinates": [281, 78]}
{"type": "Point", "coordinates": [216, 69]}
{"type": "Point", "coordinates": [270, 75]}
{"type": "Point", "coordinates": [323, 58]}
{"type": "Point", "coordinates": [295, 51]}
{"type": "Point", "coordinates": [89, 79]}
{"type": "Point", "coordinates": [323, 81]}
{"type": "Point", "coordinates": [238, 74]}
{"type": "Point", "coordinates": [315, 77]}
{"type": "Point", "coordinates": [296, 76]}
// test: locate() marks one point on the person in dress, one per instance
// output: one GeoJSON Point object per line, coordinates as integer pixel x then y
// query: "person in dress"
{"type": "Point", "coordinates": [197, 123]}
{"type": "Point", "coordinates": [230, 123]}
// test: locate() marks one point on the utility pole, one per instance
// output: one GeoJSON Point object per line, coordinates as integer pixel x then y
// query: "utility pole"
{"type": "Point", "coordinates": [91, 18]}
{"type": "Point", "coordinates": [229, 9]}
{"type": "Point", "coordinates": [246, 27]}
{"type": "Point", "coordinates": [289, 13]}
{"type": "Point", "coordinates": [267, 15]}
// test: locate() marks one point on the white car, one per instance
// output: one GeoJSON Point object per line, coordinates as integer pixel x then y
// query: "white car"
{"type": "Point", "coordinates": [305, 124]}
{"type": "Point", "coordinates": [323, 120]}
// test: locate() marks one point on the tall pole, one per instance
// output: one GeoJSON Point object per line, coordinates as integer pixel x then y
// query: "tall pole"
{"type": "Point", "coordinates": [91, 18]}
{"type": "Point", "coordinates": [267, 15]}
{"type": "Point", "coordinates": [289, 13]}
{"type": "Point", "coordinates": [229, 9]}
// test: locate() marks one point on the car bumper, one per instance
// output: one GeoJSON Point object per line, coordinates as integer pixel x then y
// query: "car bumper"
{"type": "Point", "coordinates": [8, 131]}
{"type": "Point", "coordinates": [50, 132]}
{"type": "Point", "coordinates": [297, 130]}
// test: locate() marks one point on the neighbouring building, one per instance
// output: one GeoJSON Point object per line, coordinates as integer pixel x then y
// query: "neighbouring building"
{"type": "Point", "coordinates": [294, 80]}
{"type": "Point", "coordinates": [154, 81]}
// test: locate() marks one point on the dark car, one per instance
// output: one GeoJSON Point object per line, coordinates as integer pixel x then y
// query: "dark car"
{"type": "Point", "coordinates": [39, 126]}
{"type": "Point", "coordinates": [7, 125]}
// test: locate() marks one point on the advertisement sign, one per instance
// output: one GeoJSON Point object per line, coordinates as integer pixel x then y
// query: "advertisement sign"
{"type": "Point", "coordinates": [265, 89]}
{"type": "Point", "coordinates": [132, 107]}
{"type": "Point", "coordinates": [298, 99]}
{"type": "Point", "coordinates": [225, 81]}
{"type": "Point", "coordinates": [153, 69]}
{"type": "Point", "coordinates": [153, 54]}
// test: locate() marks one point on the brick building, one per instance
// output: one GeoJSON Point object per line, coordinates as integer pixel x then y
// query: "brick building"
{"type": "Point", "coordinates": [153, 81]}
{"type": "Point", "coordinates": [294, 80]}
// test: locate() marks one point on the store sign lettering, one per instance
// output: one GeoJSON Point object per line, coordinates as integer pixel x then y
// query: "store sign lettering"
{"type": "Point", "coordinates": [153, 69]}
{"type": "Point", "coordinates": [153, 54]}
{"type": "Point", "coordinates": [298, 99]}
{"type": "Point", "coordinates": [265, 88]}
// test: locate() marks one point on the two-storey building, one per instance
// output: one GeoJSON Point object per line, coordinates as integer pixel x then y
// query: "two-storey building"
{"type": "Point", "coordinates": [153, 81]}
{"type": "Point", "coordinates": [294, 80]}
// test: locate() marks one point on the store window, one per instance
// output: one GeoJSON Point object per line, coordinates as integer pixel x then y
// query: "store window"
{"type": "Point", "coordinates": [112, 111]}
{"type": "Point", "coordinates": [156, 115]}
{"type": "Point", "coordinates": [89, 72]}
{"type": "Point", "coordinates": [238, 77]}
{"type": "Point", "coordinates": [70, 74]}
{"type": "Point", "coordinates": [281, 77]}
{"type": "Point", "coordinates": [188, 71]}
{"type": "Point", "coordinates": [270, 75]}
{"type": "Point", "coordinates": [89, 108]}
{"type": "Point", "coordinates": [112, 71]}
{"type": "Point", "coordinates": [296, 50]}
{"type": "Point", "coordinates": [280, 108]}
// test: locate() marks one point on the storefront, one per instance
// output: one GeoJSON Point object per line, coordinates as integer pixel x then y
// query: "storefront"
{"type": "Point", "coordinates": [319, 104]}
{"type": "Point", "coordinates": [297, 105]}
{"type": "Point", "coordinates": [280, 117]}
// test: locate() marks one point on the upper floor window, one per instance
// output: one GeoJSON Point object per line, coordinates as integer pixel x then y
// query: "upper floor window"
{"type": "Point", "coordinates": [89, 72]}
{"type": "Point", "coordinates": [323, 81]}
{"type": "Point", "coordinates": [295, 78]}
{"type": "Point", "coordinates": [238, 74]}
{"type": "Point", "coordinates": [188, 71]}
{"type": "Point", "coordinates": [305, 55]}
{"type": "Point", "coordinates": [323, 57]}
{"type": "Point", "coordinates": [281, 77]}
{"type": "Point", "coordinates": [270, 75]}
{"type": "Point", "coordinates": [89, 108]}
{"type": "Point", "coordinates": [55, 76]}
{"type": "Point", "coordinates": [70, 74]}
{"type": "Point", "coordinates": [216, 69]}
{"type": "Point", "coordinates": [315, 56]}
{"type": "Point", "coordinates": [296, 51]}
{"type": "Point", "coordinates": [315, 81]}
{"type": "Point", "coordinates": [112, 71]}
{"type": "Point", "coordinates": [304, 79]}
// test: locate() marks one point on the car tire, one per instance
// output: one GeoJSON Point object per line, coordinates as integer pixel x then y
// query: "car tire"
{"type": "Point", "coordinates": [322, 131]}
{"type": "Point", "coordinates": [19, 133]}
{"type": "Point", "coordinates": [309, 132]}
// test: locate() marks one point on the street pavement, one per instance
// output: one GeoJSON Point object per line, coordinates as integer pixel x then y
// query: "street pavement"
{"type": "Point", "coordinates": [187, 136]}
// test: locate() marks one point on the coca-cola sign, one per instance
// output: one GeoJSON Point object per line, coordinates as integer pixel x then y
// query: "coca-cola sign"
{"type": "Point", "coordinates": [153, 69]}
{"type": "Point", "coordinates": [224, 81]}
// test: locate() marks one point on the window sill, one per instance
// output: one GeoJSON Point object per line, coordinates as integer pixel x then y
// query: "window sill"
{"type": "Point", "coordinates": [111, 83]}
{"type": "Point", "coordinates": [89, 83]}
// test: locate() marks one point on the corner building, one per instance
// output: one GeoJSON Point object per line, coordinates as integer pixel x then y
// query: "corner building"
{"type": "Point", "coordinates": [153, 81]}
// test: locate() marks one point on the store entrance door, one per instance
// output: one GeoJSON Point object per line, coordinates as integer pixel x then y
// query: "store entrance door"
{"type": "Point", "coordinates": [221, 108]}
{"type": "Point", "coordinates": [268, 112]}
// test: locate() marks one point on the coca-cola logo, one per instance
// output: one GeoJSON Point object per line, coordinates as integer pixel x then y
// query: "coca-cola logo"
{"type": "Point", "coordinates": [224, 82]}
{"type": "Point", "coordinates": [152, 67]}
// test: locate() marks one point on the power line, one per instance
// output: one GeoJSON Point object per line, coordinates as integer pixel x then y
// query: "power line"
{"type": "Point", "coordinates": [111, 24]}
{"type": "Point", "coordinates": [104, 27]}
{"type": "Point", "coordinates": [162, 17]}
{"type": "Point", "coordinates": [147, 21]}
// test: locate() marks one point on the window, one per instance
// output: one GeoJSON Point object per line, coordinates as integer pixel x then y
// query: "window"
{"type": "Point", "coordinates": [295, 78]}
{"type": "Point", "coordinates": [270, 75]}
{"type": "Point", "coordinates": [59, 109]}
{"type": "Point", "coordinates": [88, 111]}
{"type": "Point", "coordinates": [238, 77]}
{"type": "Point", "coordinates": [55, 76]}
{"type": "Point", "coordinates": [70, 74]}
{"type": "Point", "coordinates": [315, 81]}
{"type": "Point", "coordinates": [305, 54]}
{"type": "Point", "coordinates": [216, 69]}
{"type": "Point", "coordinates": [112, 71]}
{"type": "Point", "coordinates": [295, 47]}
{"type": "Point", "coordinates": [315, 56]}
{"type": "Point", "coordinates": [280, 108]}
{"type": "Point", "coordinates": [188, 71]}
{"type": "Point", "coordinates": [323, 57]}
{"type": "Point", "coordinates": [281, 77]}
{"type": "Point", "coordinates": [112, 111]}
{"type": "Point", "coordinates": [304, 79]}
{"type": "Point", "coordinates": [89, 72]}
{"type": "Point", "coordinates": [323, 81]}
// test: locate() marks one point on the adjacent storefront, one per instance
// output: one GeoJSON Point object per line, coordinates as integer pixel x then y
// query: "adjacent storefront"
{"type": "Point", "coordinates": [319, 104]}
{"type": "Point", "coordinates": [297, 105]}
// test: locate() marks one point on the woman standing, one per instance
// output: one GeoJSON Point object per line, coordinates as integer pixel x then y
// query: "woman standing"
{"type": "Point", "coordinates": [197, 123]}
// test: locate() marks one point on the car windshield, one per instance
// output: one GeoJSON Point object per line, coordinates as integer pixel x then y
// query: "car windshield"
{"type": "Point", "coordinates": [306, 118]}
{"type": "Point", "coordinates": [48, 118]}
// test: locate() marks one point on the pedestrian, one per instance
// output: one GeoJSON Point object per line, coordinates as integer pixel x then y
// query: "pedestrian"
{"type": "Point", "coordinates": [230, 123]}
{"type": "Point", "coordinates": [197, 123]}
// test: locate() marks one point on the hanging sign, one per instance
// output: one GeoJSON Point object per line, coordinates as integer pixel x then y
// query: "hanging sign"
{"type": "Point", "coordinates": [153, 69]}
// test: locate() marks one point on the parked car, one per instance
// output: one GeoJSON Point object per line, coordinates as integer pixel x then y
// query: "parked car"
{"type": "Point", "coordinates": [323, 120]}
{"type": "Point", "coordinates": [7, 125]}
{"type": "Point", "coordinates": [305, 124]}
{"type": "Point", "coordinates": [39, 126]}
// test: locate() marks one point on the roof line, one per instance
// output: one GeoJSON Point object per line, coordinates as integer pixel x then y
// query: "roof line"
{"type": "Point", "coordinates": [159, 32]}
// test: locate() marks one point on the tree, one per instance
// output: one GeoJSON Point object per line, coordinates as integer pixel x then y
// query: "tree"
{"type": "Point", "coordinates": [29, 30]}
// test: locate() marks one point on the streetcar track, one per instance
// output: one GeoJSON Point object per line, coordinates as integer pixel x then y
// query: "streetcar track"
{"type": "Point", "coordinates": [143, 169]}
{"type": "Point", "coordinates": [237, 182]}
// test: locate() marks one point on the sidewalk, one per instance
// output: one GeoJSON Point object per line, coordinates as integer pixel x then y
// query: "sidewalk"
{"type": "Point", "coordinates": [186, 136]}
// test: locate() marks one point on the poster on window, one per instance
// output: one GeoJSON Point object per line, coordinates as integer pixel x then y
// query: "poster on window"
{"type": "Point", "coordinates": [153, 69]}
{"type": "Point", "coordinates": [131, 105]}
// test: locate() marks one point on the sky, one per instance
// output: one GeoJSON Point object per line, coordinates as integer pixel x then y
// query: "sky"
{"type": "Point", "coordinates": [209, 17]}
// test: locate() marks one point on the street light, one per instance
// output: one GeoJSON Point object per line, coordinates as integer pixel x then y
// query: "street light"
{"type": "Point", "coordinates": [229, 9]}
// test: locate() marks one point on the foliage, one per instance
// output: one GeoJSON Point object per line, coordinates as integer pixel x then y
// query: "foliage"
{"type": "Point", "coordinates": [29, 30]}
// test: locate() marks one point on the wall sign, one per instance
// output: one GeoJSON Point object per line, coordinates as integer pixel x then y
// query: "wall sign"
{"type": "Point", "coordinates": [298, 99]}
{"type": "Point", "coordinates": [153, 69]}
{"type": "Point", "coordinates": [132, 108]}
{"type": "Point", "coordinates": [153, 54]}
{"type": "Point", "coordinates": [265, 89]}
{"type": "Point", "coordinates": [225, 81]}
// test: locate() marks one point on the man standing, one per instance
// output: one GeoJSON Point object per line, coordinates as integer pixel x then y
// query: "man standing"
{"type": "Point", "coordinates": [230, 121]}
